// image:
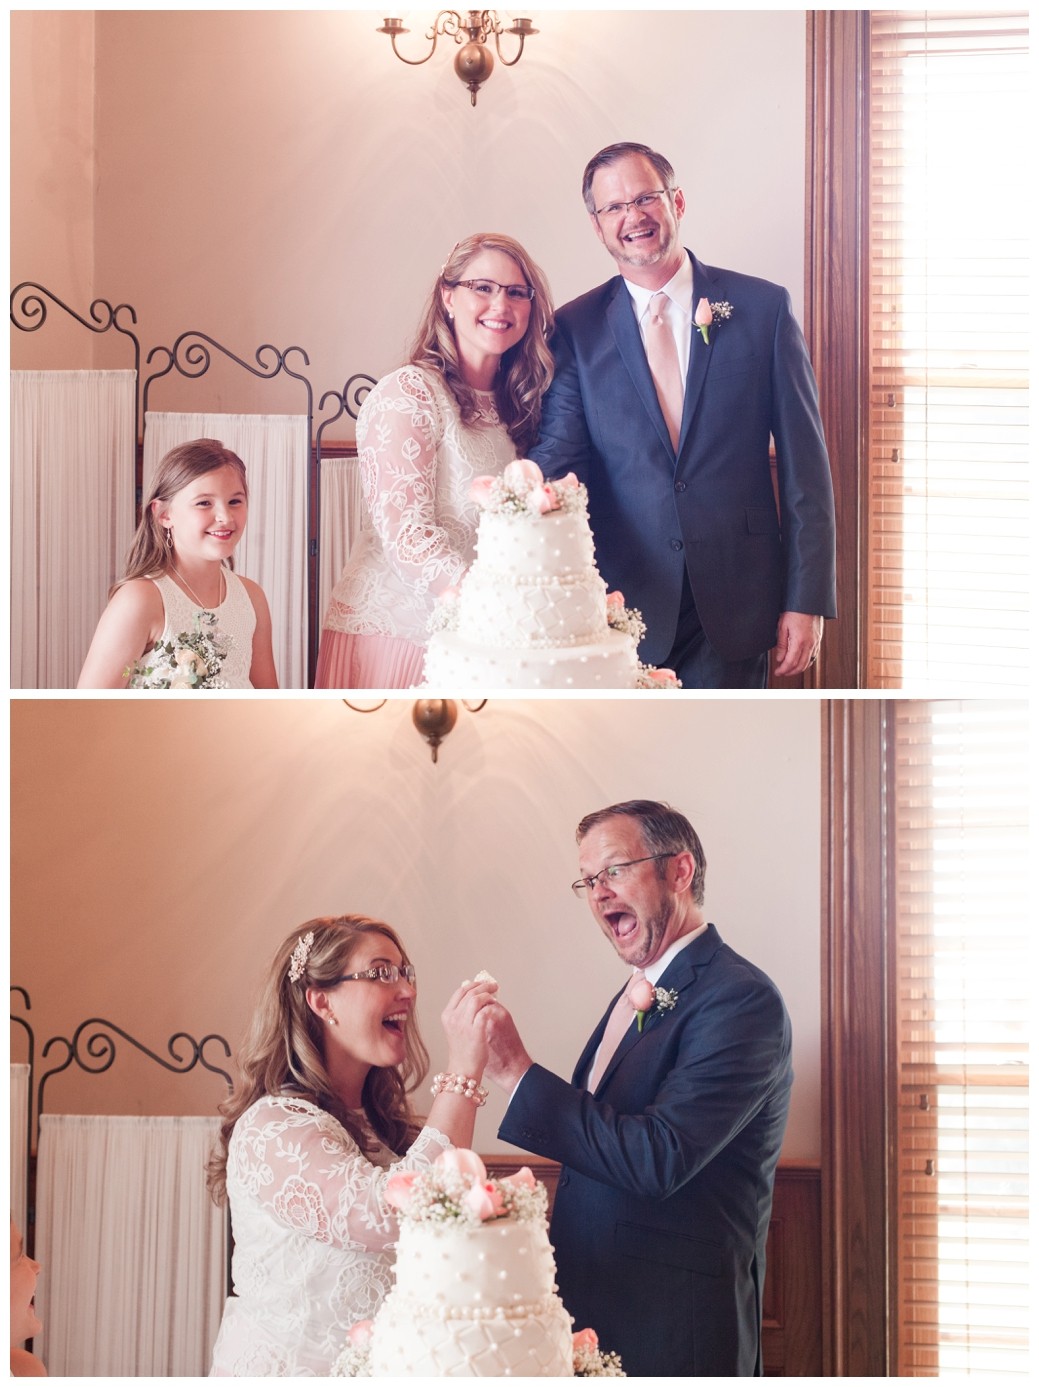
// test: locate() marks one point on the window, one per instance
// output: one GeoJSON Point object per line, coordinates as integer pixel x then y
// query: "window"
{"type": "Point", "coordinates": [926, 995]}
{"type": "Point", "coordinates": [947, 531]}
{"type": "Point", "coordinates": [961, 999]}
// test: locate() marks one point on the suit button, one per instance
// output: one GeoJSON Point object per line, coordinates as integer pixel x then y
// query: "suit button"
{"type": "Point", "coordinates": [676, 544]}
{"type": "Point", "coordinates": [564, 1179]}
{"type": "Point", "coordinates": [680, 486]}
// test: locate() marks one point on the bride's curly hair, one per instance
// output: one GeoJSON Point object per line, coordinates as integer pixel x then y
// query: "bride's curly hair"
{"type": "Point", "coordinates": [284, 1050]}
{"type": "Point", "coordinates": [526, 369]}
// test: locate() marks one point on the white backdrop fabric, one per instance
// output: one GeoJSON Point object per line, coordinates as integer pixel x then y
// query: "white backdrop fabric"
{"type": "Point", "coordinates": [273, 551]}
{"type": "Point", "coordinates": [72, 514]}
{"type": "Point", "coordinates": [342, 504]}
{"type": "Point", "coordinates": [19, 1143]}
{"type": "Point", "coordinates": [132, 1248]}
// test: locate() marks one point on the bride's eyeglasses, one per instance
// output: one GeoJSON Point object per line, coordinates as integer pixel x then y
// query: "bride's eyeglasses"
{"type": "Point", "coordinates": [382, 972]}
{"type": "Point", "coordinates": [486, 288]}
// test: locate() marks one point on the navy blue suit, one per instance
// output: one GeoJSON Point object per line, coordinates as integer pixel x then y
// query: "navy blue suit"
{"type": "Point", "coordinates": [708, 511]}
{"type": "Point", "coordinates": [663, 1203]}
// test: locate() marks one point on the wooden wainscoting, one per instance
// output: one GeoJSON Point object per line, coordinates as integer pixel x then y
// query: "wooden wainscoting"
{"type": "Point", "coordinates": [792, 1330]}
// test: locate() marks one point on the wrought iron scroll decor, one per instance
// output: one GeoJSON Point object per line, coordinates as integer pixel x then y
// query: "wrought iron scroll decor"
{"type": "Point", "coordinates": [191, 355]}
{"type": "Point", "coordinates": [29, 313]}
{"type": "Point", "coordinates": [93, 1047]}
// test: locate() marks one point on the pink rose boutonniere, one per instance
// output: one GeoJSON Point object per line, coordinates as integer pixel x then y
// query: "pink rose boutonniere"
{"type": "Point", "coordinates": [706, 313]}
{"type": "Point", "coordinates": [643, 996]}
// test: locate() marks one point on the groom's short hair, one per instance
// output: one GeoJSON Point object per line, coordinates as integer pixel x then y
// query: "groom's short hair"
{"type": "Point", "coordinates": [611, 154]}
{"type": "Point", "coordinates": [664, 830]}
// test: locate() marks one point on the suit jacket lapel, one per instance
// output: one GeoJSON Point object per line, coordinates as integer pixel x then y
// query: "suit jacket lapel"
{"type": "Point", "coordinates": [620, 315]}
{"type": "Point", "coordinates": [680, 975]}
{"type": "Point", "coordinates": [705, 286]}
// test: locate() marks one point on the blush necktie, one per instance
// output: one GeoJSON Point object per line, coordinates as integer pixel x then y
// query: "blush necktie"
{"type": "Point", "coordinates": [621, 1017]}
{"type": "Point", "coordinates": [662, 355]}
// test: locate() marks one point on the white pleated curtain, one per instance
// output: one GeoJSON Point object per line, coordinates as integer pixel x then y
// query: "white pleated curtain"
{"type": "Point", "coordinates": [19, 1143]}
{"type": "Point", "coordinates": [72, 514]}
{"type": "Point", "coordinates": [342, 505]}
{"type": "Point", "coordinates": [273, 551]}
{"type": "Point", "coordinates": [132, 1248]}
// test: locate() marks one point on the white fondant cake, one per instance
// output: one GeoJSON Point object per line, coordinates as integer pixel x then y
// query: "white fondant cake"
{"type": "Point", "coordinates": [473, 1302]}
{"type": "Point", "coordinates": [533, 611]}
{"type": "Point", "coordinates": [474, 1291]}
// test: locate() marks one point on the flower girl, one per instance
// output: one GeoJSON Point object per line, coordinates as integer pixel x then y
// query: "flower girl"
{"type": "Point", "coordinates": [181, 618]}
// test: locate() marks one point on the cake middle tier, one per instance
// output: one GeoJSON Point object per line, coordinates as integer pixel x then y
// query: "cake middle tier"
{"type": "Point", "coordinates": [531, 611]}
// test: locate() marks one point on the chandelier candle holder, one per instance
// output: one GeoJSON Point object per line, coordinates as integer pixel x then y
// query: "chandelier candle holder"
{"type": "Point", "coordinates": [474, 62]}
{"type": "Point", "coordinates": [433, 717]}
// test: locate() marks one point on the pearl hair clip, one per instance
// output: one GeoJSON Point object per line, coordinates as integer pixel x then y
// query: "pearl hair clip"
{"type": "Point", "coordinates": [300, 954]}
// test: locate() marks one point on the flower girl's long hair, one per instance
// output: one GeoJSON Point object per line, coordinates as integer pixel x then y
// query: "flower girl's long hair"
{"type": "Point", "coordinates": [283, 1052]}
{"type": "Point", "coordinates": [526, 369]}
{"type": "Point", "coordinates": [149, 556]}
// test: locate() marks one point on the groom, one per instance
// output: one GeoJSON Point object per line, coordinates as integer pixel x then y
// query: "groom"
{"type": "Point", "coordinates": [669, 426]}
{"type": "Point", "coordinates": [670, 1132]}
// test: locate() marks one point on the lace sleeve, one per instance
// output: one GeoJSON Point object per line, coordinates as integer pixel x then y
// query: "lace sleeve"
{"type": "Point", "coordinates": [305, 1170]}
{"type": "Point", "coordinates": [399, 433]}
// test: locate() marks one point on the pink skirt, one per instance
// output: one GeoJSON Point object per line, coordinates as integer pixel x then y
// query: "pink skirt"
{"type": "Point", "coordinates": [368, 662]}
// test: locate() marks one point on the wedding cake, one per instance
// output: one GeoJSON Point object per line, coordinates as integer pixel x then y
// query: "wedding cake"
{"type": "Point", "coordinates": [533, 611]}
{"type": "Point", "coordinates": [474, 1293]}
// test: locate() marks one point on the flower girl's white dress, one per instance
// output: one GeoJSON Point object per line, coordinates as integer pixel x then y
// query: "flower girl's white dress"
{"type": "Point", "coordinates": [235, 619]}
{"type": "Point", "coordinates": [313, 1238]}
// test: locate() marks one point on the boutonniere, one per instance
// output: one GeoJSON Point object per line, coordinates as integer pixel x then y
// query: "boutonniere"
{"type": "Point", "coordinates": [707, 312]}
{"type": "Point", "coordinates": [643, 996]}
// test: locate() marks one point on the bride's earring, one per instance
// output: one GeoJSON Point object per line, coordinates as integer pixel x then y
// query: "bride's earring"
{"type": "Point", "coordinates": [332, 1021]}
{"type": "Point", "coordinates": [169, 538]}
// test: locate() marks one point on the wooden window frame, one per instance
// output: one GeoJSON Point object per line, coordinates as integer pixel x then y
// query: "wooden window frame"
{"type": "Point", "coordinates": [858, 1132]}
{"type": "Point", "coordinates": [836, 218]}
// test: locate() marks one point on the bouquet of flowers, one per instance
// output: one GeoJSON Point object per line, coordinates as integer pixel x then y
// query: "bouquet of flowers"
{"type": "Point", "coordinates": [192, 660]}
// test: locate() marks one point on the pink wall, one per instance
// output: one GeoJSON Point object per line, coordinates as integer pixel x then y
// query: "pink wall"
{"type": "Point", "coordinates": [52, 176]}
{"type": "Point", "coordinates": [160, 850]}
{"type": "Point", "coordinates": [278, 176]}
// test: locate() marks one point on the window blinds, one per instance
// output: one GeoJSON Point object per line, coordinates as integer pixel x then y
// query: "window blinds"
{"type": "Point", "coordinates": [962, 875]}
{"type": "Point", "coordinates": [950, 174]}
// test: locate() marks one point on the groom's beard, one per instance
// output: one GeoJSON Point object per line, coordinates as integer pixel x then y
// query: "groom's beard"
{"type": "Point", "coordinates": [649, 941]}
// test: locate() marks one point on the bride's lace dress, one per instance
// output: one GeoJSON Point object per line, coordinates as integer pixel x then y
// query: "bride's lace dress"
{"type": "Point", "coordinates": [314, 1240]}
{"type": "Point", "coordinates": [418, 533]}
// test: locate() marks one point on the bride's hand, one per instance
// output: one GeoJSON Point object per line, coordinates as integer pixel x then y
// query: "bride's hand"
{"type": "Point", "coordinates": [464, 1020]}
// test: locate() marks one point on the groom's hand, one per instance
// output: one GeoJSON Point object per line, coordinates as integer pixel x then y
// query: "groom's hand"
{"type": "Point", "coordinates": [507, 1059]}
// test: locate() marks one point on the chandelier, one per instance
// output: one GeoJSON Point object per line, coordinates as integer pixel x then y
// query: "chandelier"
{"type": "Point", "coordinates": [474, 61]}
{"type": "Point", "coordinates": [433, 717]}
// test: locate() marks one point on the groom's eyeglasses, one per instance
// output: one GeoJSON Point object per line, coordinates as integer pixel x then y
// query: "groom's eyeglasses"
{"type": "Point", "coordinates": [613, 210]}
{"type": "Point", "coordinates": [382, 972]}
{"type": "Point", "coordinates": [486, 288]}
{"type": "Point", "coordinates": [614, 873]}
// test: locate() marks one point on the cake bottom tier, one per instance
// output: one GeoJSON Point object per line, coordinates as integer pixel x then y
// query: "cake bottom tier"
{"type": "Point", "coordinates": [409, 1341]}
{"type": "Point", "coordinates": [610, 663]}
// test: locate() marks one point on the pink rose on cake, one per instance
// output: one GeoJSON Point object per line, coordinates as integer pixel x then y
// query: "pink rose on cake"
{"type": "Point", "coordinates": [522, 474]}
{"type": "Point", "coordinates": [523, 1179]}
{"type": "Point", "coordinates": [542, 499]}
{"type": "Point", "coordinates": [480, 490]}
{"type": "Point", "coordinates": [458, 1161]}
{"type": "Point", "coordinates": [398, 1188]}
{"type": "Point", "coordinates": [651, 678]}
{"type": "Point", "coordinates": [485, 1200]}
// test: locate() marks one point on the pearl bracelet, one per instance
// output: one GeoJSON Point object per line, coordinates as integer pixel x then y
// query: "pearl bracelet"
{"type": "Point", "coordinates": [458, 1083]}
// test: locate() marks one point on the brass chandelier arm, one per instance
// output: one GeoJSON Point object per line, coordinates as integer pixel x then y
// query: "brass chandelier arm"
{"type": "Point", "coordinates": [475, 61]}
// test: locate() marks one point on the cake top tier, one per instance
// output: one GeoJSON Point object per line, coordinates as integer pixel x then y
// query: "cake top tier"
{"type": "Point", "coordinates": [522, 490]}
{"type": "Point", "coordinates": [456, 1190]}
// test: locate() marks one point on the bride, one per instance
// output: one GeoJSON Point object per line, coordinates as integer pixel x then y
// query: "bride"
{"type": "Point", "coordinates": [315, 1127]}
